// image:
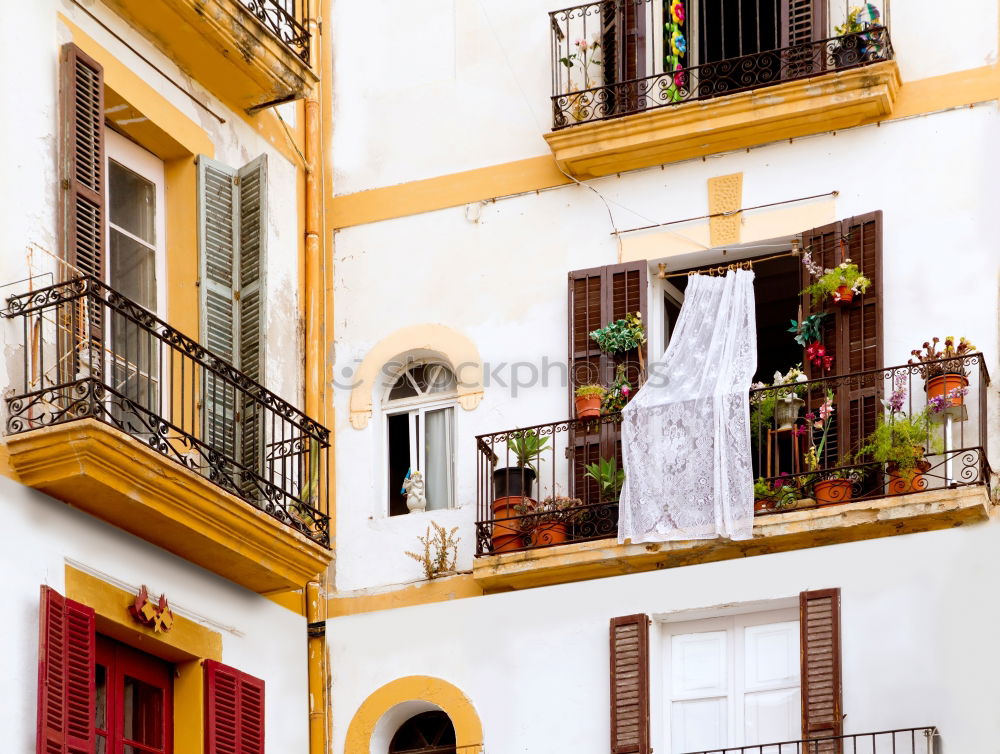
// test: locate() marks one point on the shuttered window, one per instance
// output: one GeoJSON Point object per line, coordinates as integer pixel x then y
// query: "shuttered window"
{"type": "Point", "coordinates": [802, 21]}
{"type": "Point", "coordinates": [630, 685]}
{"type": "Point", "coordinates": [232, 219]}
{"type": "Point", "coordinates": [852, 334]}
{"type": "Point", "coordinates": [234, 711]}
{"type": "Point", "coordinates": [819, 627]}
{"type": "Point", "coordinates": [66, 656]}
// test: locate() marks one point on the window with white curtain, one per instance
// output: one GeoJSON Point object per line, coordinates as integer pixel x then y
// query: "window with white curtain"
{"type": "Point", "coordinates": [732, 681]}
{"type": "Point", "coordinates": [419, 408]}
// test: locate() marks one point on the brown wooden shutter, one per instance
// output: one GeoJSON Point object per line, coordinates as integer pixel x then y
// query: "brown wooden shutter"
{"type": "Point", "coordinates": [630, 685]}
{"type": "Point", "coordinates": [802, 22]}
{"type": "Point", "coordinates": [597, 296]}
{"type": "Point", "coordinates": [82, 161]}
{"type": "Point", "coordinates": [819, 627]}
{"type": "Point", "coordinates": [234, 711]}
{"type": "Point", "coordinates": [66, 655]}
{"type": "Point", "coordinates": [852, 334]}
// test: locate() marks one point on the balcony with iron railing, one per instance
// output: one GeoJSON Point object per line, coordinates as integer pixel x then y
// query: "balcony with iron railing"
{"type": "Point", "coordinates": [635, 83]}
{"type": "Point", "coordinates": [900, 741]}
{"type": "Point", "coordinates": [119, 414]}
{"type": "Point", "coordinates": [252, 53]}
{"type": "Point", "coordinates": [901, 448]}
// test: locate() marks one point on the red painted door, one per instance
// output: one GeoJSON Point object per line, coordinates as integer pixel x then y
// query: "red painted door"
{"type": "Point", "coordinates": [134, 701]}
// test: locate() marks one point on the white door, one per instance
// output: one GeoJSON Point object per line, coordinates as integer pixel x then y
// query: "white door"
{"type": "Point", "coordinates": [732, 681]}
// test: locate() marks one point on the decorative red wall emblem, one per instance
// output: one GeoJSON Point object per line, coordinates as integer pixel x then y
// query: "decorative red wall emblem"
{"type": "Point", "coordinates": [159, 617]}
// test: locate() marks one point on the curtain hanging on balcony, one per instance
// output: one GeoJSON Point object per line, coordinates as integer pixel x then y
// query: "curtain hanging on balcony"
{"type": "Point", "coordinates": [686, 435]}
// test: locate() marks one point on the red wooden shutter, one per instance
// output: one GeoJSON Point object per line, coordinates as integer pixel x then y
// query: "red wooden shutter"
{"type": "Point", "coordinates": [852, 334]}
{"type": "Point", "coordinates": [819, 627]}
{"type": "Point", "coordinates": [82, 161]}
{"type": "Point", "coordinates": [630, 685]}
{"type": "Point", "coordinates": [234, 711]}
{"type": "Point", "coordinates": [66, 655]}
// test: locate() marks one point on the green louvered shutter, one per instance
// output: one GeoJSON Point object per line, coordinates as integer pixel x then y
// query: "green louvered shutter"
{"type": "Point", "coordinates": [250, 305]}
{"type": "Point", "coordinates": [218, 230]}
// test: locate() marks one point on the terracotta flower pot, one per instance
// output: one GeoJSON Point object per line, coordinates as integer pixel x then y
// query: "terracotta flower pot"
{"type": "Point", "coordinates": [943, 384]}
{"type": "Point", "coordinates": [830, 491]}
{"type": "Point", "coordinates": [902, 481]}
{"type": "Point", "coordinates": [507, 534]}
{"type": "Point", "coordinates": [843, 296]}
{"type": "Point", "coordinates": [548, 533]}
{"type": "Point", "coordinates": [760, 506]}
{"type": "Point", "coordinates": [588, 406]}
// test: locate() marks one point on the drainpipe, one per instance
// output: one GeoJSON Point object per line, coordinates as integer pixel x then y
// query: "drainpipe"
{"type": "Point", "coordinates": [315, 346]}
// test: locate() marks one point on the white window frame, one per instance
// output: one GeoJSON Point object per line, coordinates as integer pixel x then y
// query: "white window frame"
{"type": "Point", "coordinates": [734, 624]}
{"type": "Point", "coordinates": [416, 408]}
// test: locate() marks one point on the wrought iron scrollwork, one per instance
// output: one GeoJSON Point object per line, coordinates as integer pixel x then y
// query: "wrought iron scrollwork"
{"type": "Point", "coordinates": [284, 19]}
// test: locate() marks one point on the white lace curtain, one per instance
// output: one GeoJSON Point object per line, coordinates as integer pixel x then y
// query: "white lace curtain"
{"type": "Point", "coordinates": [686, 434]}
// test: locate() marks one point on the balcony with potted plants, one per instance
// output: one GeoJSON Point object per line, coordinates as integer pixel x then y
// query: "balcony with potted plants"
{"type": "Point", "coordinates": [637, 83]}
{"type": "Point", "coordinates": [252, 53]}
{"type": "Point", "coordinates": [835, 458]}
{"type": "Point", "coordinates": [118, 414]}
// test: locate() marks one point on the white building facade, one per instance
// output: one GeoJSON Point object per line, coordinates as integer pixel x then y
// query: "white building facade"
{"type": "Point", "coordinates": [516, 190]}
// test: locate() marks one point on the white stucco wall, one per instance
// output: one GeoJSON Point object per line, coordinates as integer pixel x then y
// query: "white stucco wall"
{"type": "Point", "coordinates": [502, 283]}
{"type": "Point", "coordinates": [448, 85]}
{"type": "Point", "coordinates": [29, 53]}
{"type": "Point", "coordinates": [916, 646]}
{"type": "Point", "coordinates": [41, 535]}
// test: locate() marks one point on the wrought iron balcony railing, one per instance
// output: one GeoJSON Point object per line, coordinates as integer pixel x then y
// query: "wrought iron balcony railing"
{"type": "Point", "coordinates": [89, 352]}
{"type": "Point", "coordinates": [285, 19]}
{"type": "Point", "coordinates": [831, 440]}
{"type": "Point", "coordinates": [899, 741]}
{"type": "Point", "coordinates": [612, 58]}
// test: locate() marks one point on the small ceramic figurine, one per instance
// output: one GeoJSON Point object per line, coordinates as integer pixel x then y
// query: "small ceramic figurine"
{"type": "Point", "coordinates": [416, 501]}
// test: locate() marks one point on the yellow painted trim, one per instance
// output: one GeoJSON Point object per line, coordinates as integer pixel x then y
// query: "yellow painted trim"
{"type": "Point", "coordinates": [725, 194]}
{"type": "Point", "coordinates": [791, 530]}
{"type": "Point", "coordinates": [454, 703]}
{"type": "Point", "coordinates": [920, 97]}
{"type": "Point", "coordinates": [292, 600]}
{"type": "Point", "coordinates": [100, 470]}
{"type": "Point", "coordinates": [695, 129]}
{"type": "Point", "coordinates": [454, 347]}
{"type": "Point", "coordinates": [424, 593]}
{"type": "Point", "coordinates": [185, 645]}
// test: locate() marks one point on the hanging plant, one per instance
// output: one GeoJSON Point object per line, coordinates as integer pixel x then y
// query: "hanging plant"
{"type": "Point", "coordinates": [621, 335]}
{"type": "Point", "coordinates": [809, 335]}
{"type": "Point", "coordinates": [842, 283]}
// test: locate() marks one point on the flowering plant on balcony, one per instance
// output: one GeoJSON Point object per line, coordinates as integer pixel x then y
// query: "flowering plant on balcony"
{"type": "Point", "coordinates": [899, 441]}
{"type": "Point", "coordinates": [859, 18]}
{"type": "Point", "coordinates": [778, 494]}
{"type": "Point", "coordinates": [621, 335]}
{"type": "Point", "coordinates": [809, 335]}
{"type": "Point", "coordinates": [584, 57]}
{"type": "Point", "coordinates": [951, 350]}
{"type": "Point", "coordinates": [841, 283]}
{"type": "Point", "coordinates": [618, 394]}
{"type": "Point", "coordinates": [763, 401]}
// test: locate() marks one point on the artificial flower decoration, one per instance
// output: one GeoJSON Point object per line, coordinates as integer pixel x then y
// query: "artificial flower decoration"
{"type": "Point", "coordinates": [679, 77]}
{"type": "Point", "coordinates": [678, 43]}
{"type": "Point", "coordinates": [677, 11]}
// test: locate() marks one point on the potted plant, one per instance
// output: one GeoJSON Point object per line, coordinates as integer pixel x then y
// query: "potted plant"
{"type": "Point", "coordinates": [514, 484]}
{"type": "Point", "coordinates": [842, 283]}
{"type": "Point", "coordinates": [588, 401]}
{"type": "Point", "coordinates": [784, 403]}
{"type": "Point", "coordinates": [836, 485]}
{"type": "Point", "coordinates": [809, 335]}
{"type": "Point", "coordinates": [622, 335]}
{"type": "Point", "coordinates": [580, 104]}
{"type": "Point", "coordinates": [549, 519]}
{"type": "Point", "coordinates": [618, 394]}
{"type": "Point", "coordinates": [608, 476]}
{"type": "Point", "coordinates": [768, 496]}
{"type": "Point", "coordinates": [853, 47]}
{"type": "Point", "coordinates": [945, 377]}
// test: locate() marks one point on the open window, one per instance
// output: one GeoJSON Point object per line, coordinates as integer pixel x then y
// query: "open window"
{"type": "Point", "coordinates": [419, 407]}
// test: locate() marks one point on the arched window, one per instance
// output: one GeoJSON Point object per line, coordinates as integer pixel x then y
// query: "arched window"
{"type": "Point", "coordinates": [426, 733]}
{"type": "Point", "coordinates": [420, 426]}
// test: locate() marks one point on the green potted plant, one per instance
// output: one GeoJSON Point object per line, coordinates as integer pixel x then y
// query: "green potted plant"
{"type": "Point", "coordinates": [621, 335]}
{"type": "Point", "coordinates": [854, 48]}
{"type": "Point", "coordinates": [842, 283]}
{"type": "Point", "coordinates": [549, 519]}
{"type": "Point", "coordinates": [588, 401]}
{"type": "Point", "coordinates": [608, 476]}
{"type": "Point", "coordinates": [835, 485]}
{"type": "Point", "coordinates": [618, 394]}
{"type": "Point", "coordinates": [512, 485]}
{"type": "Point", "coordinates": [777, 495]}
{"type": "Point", "coordinates": [945, 377]}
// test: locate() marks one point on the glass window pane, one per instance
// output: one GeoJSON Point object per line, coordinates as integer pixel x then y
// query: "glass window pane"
{"type": "Point", "coordinates": [440, 379]}
{"type": "Point", "coordinates": [402, 389]}
{"type": "Point", "coordinates": [132, 202]}
{"type": "Point", "coordinates": [143, 712]}
{"type": "Point", "coordinates": [438, 458]}
{"type": "Point", "coordinates": [133, 270]}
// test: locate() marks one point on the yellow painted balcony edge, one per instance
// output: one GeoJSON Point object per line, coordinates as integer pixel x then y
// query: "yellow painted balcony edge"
{"type": "Point", "coordinates": [222, 45]}
{"type": "Point", "coordinates": [100, 470]}
{"type": "Point", "coordinates": [693, 129]}
{"type": "Point", "coordinates": [781, 532]}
